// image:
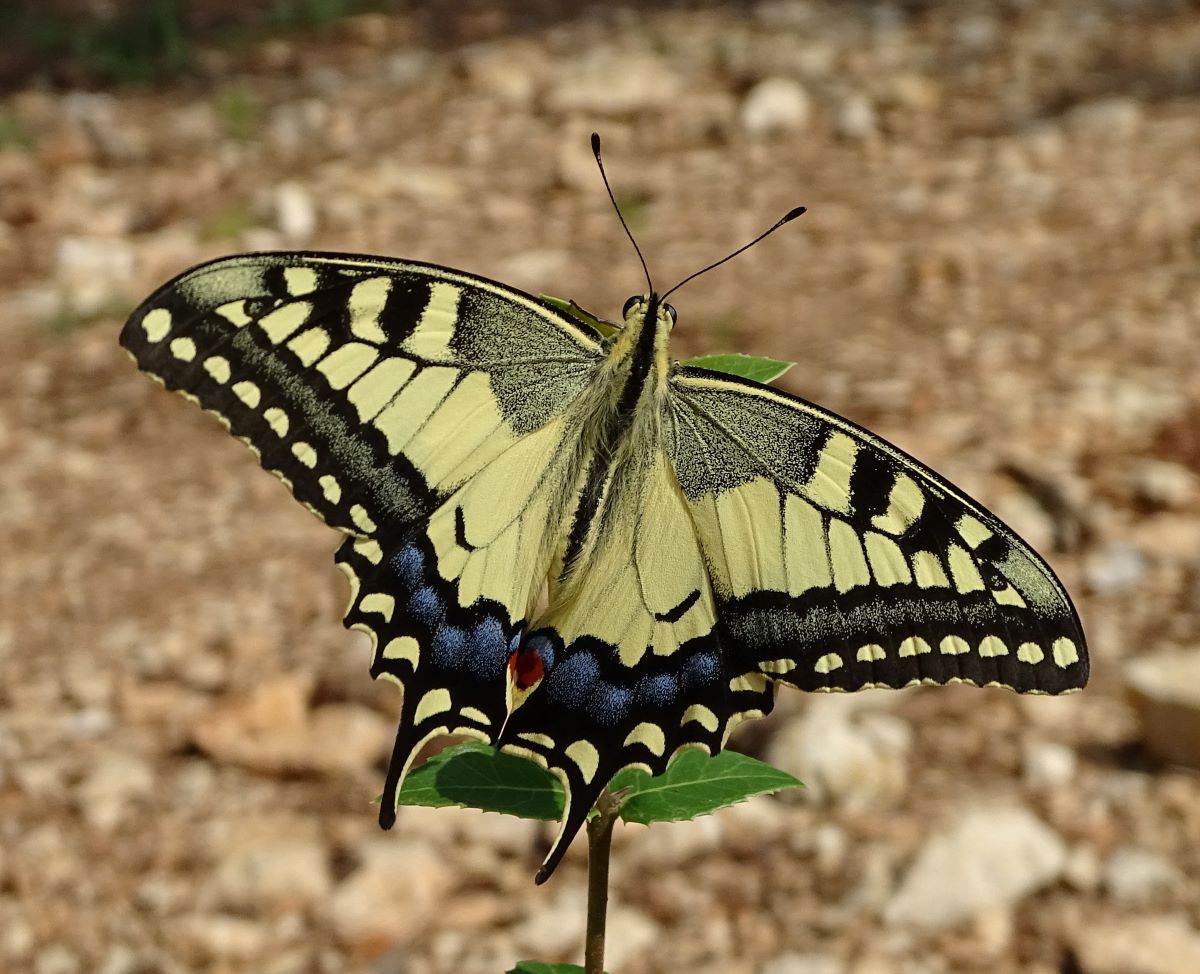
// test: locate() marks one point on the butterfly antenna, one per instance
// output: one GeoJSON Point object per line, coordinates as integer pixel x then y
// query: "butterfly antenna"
{"type": "Point", "coordinates": [787, 218]}
{"type": "Point", "coordinates": [620, 215]}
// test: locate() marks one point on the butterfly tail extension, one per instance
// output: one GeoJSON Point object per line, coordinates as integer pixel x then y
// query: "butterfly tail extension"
{"type": "Point", "coordinates": [594, 716]}
{"type": "Point", "coordinates": [580, 794]}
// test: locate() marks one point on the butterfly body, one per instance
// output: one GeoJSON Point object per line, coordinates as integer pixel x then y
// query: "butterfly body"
{"type": "Point", "coordinates": [564, 543]}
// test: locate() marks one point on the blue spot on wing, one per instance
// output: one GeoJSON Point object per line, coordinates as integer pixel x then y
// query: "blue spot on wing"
{"type": "Point", "coordinates": [657, 691]}
{"type": "Point", "coordinates": [425, 606]}
{"type": "Point", "coordinates": [609, 704]}
{"type": "Point", "coordinates": [701, 670]}
{"type": "Point", "coordinates": [573, 680]}
{"type": "Point", "coordinates": [447, 646]}
{"type": "Point", "coordinates": [409, 564]}
{"type": "Point", "coordinates": [488, 642]}
{"type": "Point", "coordinates": [544, 646]}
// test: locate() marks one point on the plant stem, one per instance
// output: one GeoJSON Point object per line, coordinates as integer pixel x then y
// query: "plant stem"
{"type": "Point", "coordinates": [599, 833]}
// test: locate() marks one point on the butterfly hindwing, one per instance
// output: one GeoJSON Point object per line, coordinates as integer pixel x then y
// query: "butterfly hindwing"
{"type": "Point", "coordinates": [840, 563]}
{"type": "Point", "coordinates": [448, 603]}
{"type": "Point", "coordinates": [636, 668]}
{"type": "Point", "coordinates": [448, 659]}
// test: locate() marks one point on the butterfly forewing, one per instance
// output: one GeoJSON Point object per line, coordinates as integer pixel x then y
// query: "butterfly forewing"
{"type": "Point", "coordinates": [839, 562]}
{"type": "Point", "coordinates": [372, 388]}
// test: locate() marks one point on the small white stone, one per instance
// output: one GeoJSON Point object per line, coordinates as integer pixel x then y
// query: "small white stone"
{"type": "Point", "coordinates": [111, 787]}
{"type": "Point", "coordinates": [1136, 876]}
{"type": "Point", "coordinates": [557, 928]}
{"type": "Point", "coordinates": [295, 212]}
{"type": "Point", "coordinates": [830, 845]}
{"type": "Point", "coordinates": [1116, 119]}
{"type": "Point", "coordinates": [469, 828]}
{"type": "Point", "coordinates": [855, 118]}
{"type": "Point", "coordinates": [876, 865]}
{"type": "Point", "coordinates": [225, 937]}
{"type": "Point", "coordinates": [392, 897]}
{"type": "Point", "coordinates": [975, 31]}
{"type": "Point", "coordinates": [856, 759]}
{"type": "Point", "coordinates": [1082, 870]}
{"type": "Point", "coordinates": [993, 930]}
{"type": "Point", "coordinates": [534, 270]}
{"type": "Point", "coordinates": [92, 272]}
{"type": "Point", "coordinates": [785, 14]}
{"type": "Point", "coordinates": [1164, 484]}
{"type": "Point", "coordinates": [797, 963]}
{"type": "Point", "coordinates": [17, 939]}
{"type": "Point", "coordinates": [57, 959]}
{"type": "Point", "coordinates": [630, 932]}
{"type": "Point", "coordinates": [752, 824]}
{"type": "Point", "coordinates": [1138, 945]}
{"type": "Point", "coordinates": [1165, 689]}
{"type": "Point", "coordinates": [404, 69]}
{"type": "Point", "coordinates": [509, 71]}
{"type": "Point", "coordinates": [1115, 568]}
{"type": "Point", "coordinates": [122, 960]}
{"type": "Point", "coordinates": [991, 858]}
{"type": "Point", "coordinates": [1049, 764]}
{"type": "Point", "coordinates": [775, 105]}
{"type": "Point", "coordinates": [347, 737]}
{"type": "Point", "coordinates": [271, 862]}
{"type": "Point", "coordinates": [88, 723]}
{"type": "Point", "coordinates": [607, 82]}
{"type": "Point", "coordinates": [674, 843]}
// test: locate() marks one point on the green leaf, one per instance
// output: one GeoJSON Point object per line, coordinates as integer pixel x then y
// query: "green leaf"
{"type": "Point", "coordinates": [755, 367]}
{"type": "Point", "coordinates": [474, 775]}
{"type": "Point", "coordinates": [537, 967]}
{"type": "Point", "coordinates": [604, 328]}
{"type": "Point", "coordinates": [696, 784]}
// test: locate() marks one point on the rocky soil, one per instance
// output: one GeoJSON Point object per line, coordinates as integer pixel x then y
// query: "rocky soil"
{"type": "Point", "coordinates": [1000, 271]}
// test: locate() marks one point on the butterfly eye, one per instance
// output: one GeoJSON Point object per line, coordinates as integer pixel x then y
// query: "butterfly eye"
{"type": "Point", "coordinates": [673, 313]}
{"type": "Point", "coordinates": [629, 304]}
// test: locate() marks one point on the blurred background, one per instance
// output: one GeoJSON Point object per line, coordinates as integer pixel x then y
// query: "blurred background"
{"type": "Point", "coordinates": [1000, 271]}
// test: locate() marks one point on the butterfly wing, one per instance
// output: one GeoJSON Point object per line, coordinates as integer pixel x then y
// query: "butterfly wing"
{"type": "Point", "coordinates": [448, 604]}
{"type": "Point", "coordinates": [372, 388]}
{"type": "Point", "coordinates": [838, 562]}
{"type": "Point", "coordinates": [421, 411]}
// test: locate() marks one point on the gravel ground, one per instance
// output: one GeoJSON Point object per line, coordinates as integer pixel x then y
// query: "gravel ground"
{"type": "Point", "coordinates": [1000, 271]}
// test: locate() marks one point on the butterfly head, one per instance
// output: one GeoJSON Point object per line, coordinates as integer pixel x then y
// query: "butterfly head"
{"type": "Point", "coordinates": [638, 306]}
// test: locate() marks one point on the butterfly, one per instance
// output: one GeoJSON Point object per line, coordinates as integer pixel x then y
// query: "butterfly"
{"type": "Point", "coordinates": [564, 543]}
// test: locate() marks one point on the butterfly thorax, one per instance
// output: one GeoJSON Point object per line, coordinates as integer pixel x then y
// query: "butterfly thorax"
{"type": "Point", "coordinates": [620, 422]}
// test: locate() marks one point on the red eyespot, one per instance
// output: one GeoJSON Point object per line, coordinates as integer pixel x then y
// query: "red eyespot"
{"type": "Point", "coordinates": [526, 668]}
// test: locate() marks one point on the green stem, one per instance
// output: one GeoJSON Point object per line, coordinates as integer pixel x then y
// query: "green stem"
{"type": "Point", "coordinates": [599, 833]}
